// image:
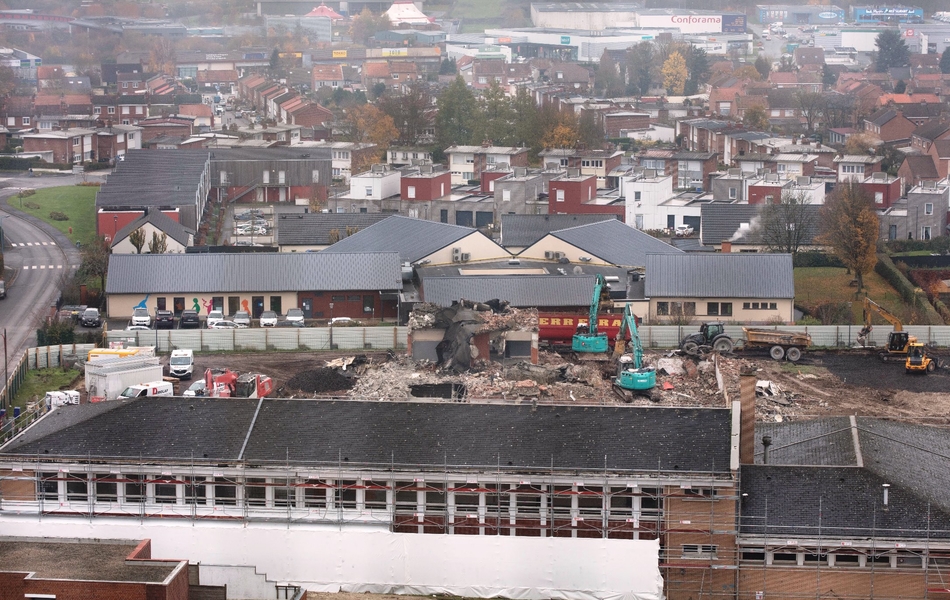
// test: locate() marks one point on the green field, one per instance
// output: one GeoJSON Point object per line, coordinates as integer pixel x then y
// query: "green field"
{"type": "Point", "coordinates": [40, 381]}
{"type": "Point", "coordinates": [815, 285]}
{"type": "Point", "coordinates": [76, 202]}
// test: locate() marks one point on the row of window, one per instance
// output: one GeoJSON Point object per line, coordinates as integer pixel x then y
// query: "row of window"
{"type": "Point", "coordinates": [843, 557]}
{"type": "Point", "coordinates": [688, 309]}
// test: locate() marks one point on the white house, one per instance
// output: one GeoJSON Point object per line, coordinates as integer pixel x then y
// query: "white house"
{"type": "Point", "coordinates": [375, 184]}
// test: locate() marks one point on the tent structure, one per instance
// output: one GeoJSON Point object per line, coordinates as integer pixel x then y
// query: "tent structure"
{"type": "Point", "coordinates": [405, 12]}
{"type": "Point", "coordinates": [325, 11]}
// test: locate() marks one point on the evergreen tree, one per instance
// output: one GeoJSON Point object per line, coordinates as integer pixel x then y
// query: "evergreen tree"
{"type": "Point", "coordinates": [494, 119]}
{"type": "Point", "coordinates": [900, 87]}
{"type": "Point", "coordinates": [763, 65]}
{"type": "Point", "coordinates": [892, 51]}
{"type": "Point", "coordinates": [457, 116]}
{"type": "Point", "coordinates": [697, 64]}
{"type": "Point", "coordinates": [945, 62]}
{"type": "Point", "coordinates": [641, 67]}
{"type": "Point", "coordinates": [526, 129]}
{"type": "Point", "coordinates": [589, 132]}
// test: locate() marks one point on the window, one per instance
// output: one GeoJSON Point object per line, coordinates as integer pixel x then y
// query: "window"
{"type": "Point", "coordinates": [733, 193]}
{"type": "Point", "coordinates": [134, 488]}
{"type": "Point", "coordinates": [781, 167]}
{"type": "Point", "coordinates": [255, 492]}
{"type": "Point", "coordinates": [928, 208]}
{"type": "Point", "coordinates": [110, 110]}
{"type": "Point", "coordinates": [47, 487]}
{"type": "Point", "coordinates": [560, 195]}
{"type": "Point", "coordinates": [925, 235]}
{"type": "Point", "coordinates": [97, 110]}
{"type": "Point", "coordinates": [125, 84]}
{"type": "Point", "coordinates": [879, 197]}
{"type": "Point", "coordinates": [281, 177]}
{"type": "Point", "coordinates": [11, 121]}
{"type": "Point", "coordinates": [266, 177]}
{"type": "Point", "coordinates": [699, 550]}
{"type": "Point", "coordinates": [166, 490]}
{"type": "Point", "coordinates": [225, 492]}
{"type": "Point", "coordinates": [719, 309]}
{"type": "Point", "coordinates": [125, 110]}
{"type": "Point", "coordinates": [776, 112]}
{"type": "Point", "coordinates": [636, 196]}
{"type": "Point", "coordinates": [275, 304]}
{"type": "Point", "coordinates": [195, 492]}
{"type": "Point", "coordinates": [769, 199]}
{"type": "Point", "coordinates": [712, 309]}
{"type": "Point", "coordinates": [411, 191]}
{"type": "Point", "coordinates": [506, 195]}
{"type": "Point", "coordinates": [490, 159]}
{"type": "Point", "coordinates": [663, 308]}
{"type": "Point", "coordinates": [482, 80]}
{"type": "Point", "coordinates": [369, 190]}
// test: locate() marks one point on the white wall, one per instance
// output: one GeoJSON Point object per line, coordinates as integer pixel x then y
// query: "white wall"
{"type": "Point", "coordinates": [652, 193]}
{"type": "Point", "coordinates": [381, 186]}
{"type": "Point", "coordinates": [365, 560]}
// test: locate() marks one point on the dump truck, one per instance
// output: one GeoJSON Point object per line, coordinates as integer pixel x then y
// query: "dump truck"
{"type": "Point", "coordinates": [712, 337]}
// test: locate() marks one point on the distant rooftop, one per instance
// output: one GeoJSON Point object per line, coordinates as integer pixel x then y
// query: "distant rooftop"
{"type": "Point", "coordinates": [84, 561]}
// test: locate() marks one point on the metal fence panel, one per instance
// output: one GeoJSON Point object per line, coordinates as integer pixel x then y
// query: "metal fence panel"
{"type": "Point", "coordinates": [261, 339]}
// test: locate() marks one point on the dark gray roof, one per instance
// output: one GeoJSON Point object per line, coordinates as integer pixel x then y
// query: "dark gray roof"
{"type": "Point", "coordinates": [921, 166]}
{"type": "Point", "coordinates": [615, 242]}
{"type": "Point", "coordinates": [820, 442]}
{"type": "Point", "coordinates": [721, 222]}
{"type": "Point", "coordinates": [213, 429]}
{"type": "Point", "coordinates": [252, 272]}
{"type": "Point", "coordinates": [519, 290]}
{"type": "Point", "coordinates": [732, 275]}
{"type": "Point", "coordinates": [413, 239]}
{"type": "Point", "coordinates": [845, 501]}
{"type": "Point", "coordinates": [154, 178]}
{"type": "Point", "coordinates": [171, 227]}
{"type": "Point", "coordinates": [524, 230]}
{"type": "Point", "coordinates": [313, 229]}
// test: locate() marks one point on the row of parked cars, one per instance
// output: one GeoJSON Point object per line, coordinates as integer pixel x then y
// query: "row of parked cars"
{"type": "Point", "coordinates": [189, 319]}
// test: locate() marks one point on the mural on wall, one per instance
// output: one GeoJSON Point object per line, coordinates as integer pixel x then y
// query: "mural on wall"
{"type": "Point", "coordinates": [245, 307]}
{"type": "Point", "coordinates": [143, 303]}
{"type": "Point", "coordinates": [195, 306]}
{"type": "Point", "coordinates": [208, 305]}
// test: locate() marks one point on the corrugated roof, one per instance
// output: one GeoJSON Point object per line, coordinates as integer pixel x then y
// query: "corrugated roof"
{"type": "Point", "coordinates": [524, 230]}
{"type": "Point", "coordinates": [313, 229]}
{"type": "Point", "coordinates": [518, 290]}
{"type": "Point", "coordinates": [413, 239]}
{"type": "Point", "coordinates": [252, 272]}
{"type": "Point", "coordinates": [614, 242]}
{"type": "Point", "coordinates": [732, 275]}
{"type": "Point", "coordinates": [144, 178]}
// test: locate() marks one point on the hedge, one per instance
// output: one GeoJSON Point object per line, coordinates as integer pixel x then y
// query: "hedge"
{"type": "Point", "coordinates": [886, 268]}
{"type": "Point", "coordinates": [813, 258]}
{"type": "Point", "coordinates": [940, 245]}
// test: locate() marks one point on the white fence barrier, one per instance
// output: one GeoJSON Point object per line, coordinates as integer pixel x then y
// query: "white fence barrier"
{"type": "Point", "coordinates": [260, 339]}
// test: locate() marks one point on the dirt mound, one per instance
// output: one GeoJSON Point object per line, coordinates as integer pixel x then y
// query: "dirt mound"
{"type": "Point", "coordinates": [319, 381]}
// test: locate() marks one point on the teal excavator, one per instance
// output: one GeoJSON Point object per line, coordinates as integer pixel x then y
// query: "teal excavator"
{"type": "Point", "coordinates": [587, 343]}
{"type": "Point", "coordinates": [632, 377]}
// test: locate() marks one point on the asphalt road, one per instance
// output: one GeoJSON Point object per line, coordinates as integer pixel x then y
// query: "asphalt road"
{"type": "Point", "coordinates": [38, 258]}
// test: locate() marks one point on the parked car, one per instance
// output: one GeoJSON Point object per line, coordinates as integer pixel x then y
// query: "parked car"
{"type": "Point", "coordinates": [242, 317]}
{"type": "Point", "coordinates": [343, 322]}
{"type": "Point", "coordinates": [138, 328]}
{"type": "Point", "coordinates": [222, 324]}
{"type": "Point", "coordinates": [198, 388]}
{"type": "Point", "coordinates": [90, 318]}
{"type": "Point", "coordinates": [286, 323]}
{"type": "Point", "coordinates": [294, 314]}
{"type": "Point", "coordinates": [189, 320]}
{"type": "Point", "coordinates": [268, 318]}
{"type": "Point", "coordinates": [141, 316]}
{"type": "Point", "coordinates": [3, 289]}
{"type": "Point", "coordinates": [164, 319]}
{"type": "Point", "coordinates": [684, 230]}
{"type": "Point", "coordinates": [215, 316]}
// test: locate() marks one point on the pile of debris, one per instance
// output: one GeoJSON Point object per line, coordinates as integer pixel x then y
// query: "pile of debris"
{"type": "Point", "coordinates": [318, 381]}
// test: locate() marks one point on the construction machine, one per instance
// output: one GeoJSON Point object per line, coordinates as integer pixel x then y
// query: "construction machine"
{"type": "Point", "coordinates": [711, 336]}
{"type": "Point", "coordinates": [898, 341]}
{"type": "Point", "coordinates": [588, 343]}
{"type": "Point", "coordinates": [225, 383]}
{"type": "Point", "coordinates": [918, 361]}
{"type": "Point", "coordinates": [632, 377]}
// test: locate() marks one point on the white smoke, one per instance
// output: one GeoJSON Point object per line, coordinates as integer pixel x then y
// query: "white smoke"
{"type": "Point", "coordinates": [745, 229]}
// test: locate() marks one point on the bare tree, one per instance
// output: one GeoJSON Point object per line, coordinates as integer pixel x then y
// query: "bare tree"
{"type": "Point", "coordinates": [159, 243]}
{"type": "Point", "coordinates": [137, 239]}
{"type": "Point", "coordinates": [788, 224]}
{"type": "Point", "coordinates": [811, 105]}
{"type": "Point", "coordinates": [849, 224]}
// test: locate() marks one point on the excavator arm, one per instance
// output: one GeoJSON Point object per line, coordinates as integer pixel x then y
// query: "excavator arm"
{"type": "Point", "coordinates": [872, 306]}
{"type": "Point", "coordinates": [599, 284]}
{"type": "Point", "coordinates": [629, 323]}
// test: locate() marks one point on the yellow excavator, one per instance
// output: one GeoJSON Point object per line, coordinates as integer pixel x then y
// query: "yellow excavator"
{"type": "Point", "coordinates": [918, 361]}
{"type": "Point", "coordinates": [898, 341]}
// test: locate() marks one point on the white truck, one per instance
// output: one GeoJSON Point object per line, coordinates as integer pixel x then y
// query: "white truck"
{"type": "Point", "coordinates": [152, 388]}
{"type": "Point", "coordinates": [106, 379]}
{"type": "Point", "coordinates": [181, 364]}
{"type": "Point", "coordinates": [57, 399]}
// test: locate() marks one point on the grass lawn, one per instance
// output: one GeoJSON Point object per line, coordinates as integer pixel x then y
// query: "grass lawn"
{"type": "Point", "coordinates": [814, 285]}
{"type": "Point", "coordinates": [477, 9]}
{"type": "Point", "coordinates": [40, 381]}
{"type": "Point", "coordinates": [75, 201]}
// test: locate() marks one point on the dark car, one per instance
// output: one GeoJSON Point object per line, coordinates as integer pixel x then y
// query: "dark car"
{"type": "Point", "coordinates": [164, 319]}
{"type": "Point", "coordinates": [90, 318]}
{"type": "Point", "coordinates": [286, 323]}
{"type": "Point", "coordinates": [189, 320]}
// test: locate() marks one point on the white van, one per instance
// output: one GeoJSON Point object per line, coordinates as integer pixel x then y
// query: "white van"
{"type": "Point", "coordinates": [57, 399]}
{"type": "Point", "coordinates": [155, 388]}
{"type": "Point", "coordinates": [181, 364]}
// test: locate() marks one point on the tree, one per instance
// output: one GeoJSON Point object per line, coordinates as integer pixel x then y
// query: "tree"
{"type": "Point", "coordinates": [747, 72]}
{"type": "Point", "coordinates": [560, 129]}
{"type": "Point", "coordinates": [641, 67]}
{"type": "Point", "coordinates": [945, 62]}
{"type": "Point", "coordinates": [455, 121]}
{"type": "Point", "coordinates": [367, 124]}
{"type": "Point", "coordinates": [675, 74]}
{"type": "Point", "coordinates": [786, 64]}
{"type": "Point", "coordinates": [448, 67]}
{"type": "Point", "coordinates": [786, 225]}
{"type": "Point", "coordinates": [900, 87]}
{"type": "Point", "coordinates": [607, 80]}
{"type": "Point", "coordinates": [892, 51]}
{"type": "Point", "coordinates": [849, 225]}
{"type": "Point", "coordinates": [697, 63]}
{"type": "Point", "coordinates": [763, 65]}
{"type": "Point", "coordinates": [756, 118]}
{"type": "Point", "coordinates": [494, 118]}
{"type": "Point", "coordinates": [526, 123]}
{"type": "Point", "coordinates": [589, 132]}
{"type": "Point", "coordinates": [365, 25]}
{"type": "Point", "coordinates": [274, 59]}
{"type": "Point", "coordinates": [408, 111]}
{"type": "Point", "coordinates": [159, 243]}
{"type": "Point", "coordinates": [828, 76]}
{"type": "Point", "coordinates": [137, 239]}
{"type": "Point", "coordinates": [811, 105]}
{"type": "Point", "coordinates": [861, 143]}
{"type": "Point", "coordinates": [95, 260]}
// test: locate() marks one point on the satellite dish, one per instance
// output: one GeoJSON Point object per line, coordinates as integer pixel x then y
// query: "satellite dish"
{"type": "Point", "coordinates": [578, 270]}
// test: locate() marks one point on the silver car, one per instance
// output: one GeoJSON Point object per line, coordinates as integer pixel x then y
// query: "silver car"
{"type": "Point", "coordinates": [268, 318]}
{"type": "Point", "coordinates": [242, 318]}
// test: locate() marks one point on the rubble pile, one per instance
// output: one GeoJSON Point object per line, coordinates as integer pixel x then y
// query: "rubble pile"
{"type": "Point", "coordinates": [319, 381]}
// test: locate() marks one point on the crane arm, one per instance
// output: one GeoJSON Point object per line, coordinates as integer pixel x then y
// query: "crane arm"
{"type": "Point", "coordinates": [599, 284]}
{"type": "Point", "coordinates": [629, 323]}
{"type": "Point", "coordinates": [871, 305]}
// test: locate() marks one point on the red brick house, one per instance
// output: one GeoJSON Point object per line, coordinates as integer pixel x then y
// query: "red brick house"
{"type": "Point", "coordinates": [917, 168]}
{"type": "Point", "coordinates": [576, 193]}
{"type": "Point", "coordinates": [425, 184]}
{"type": "Point", "coordinates": [884, 188]}
{"type": "Point", "coordinates": [68, 147]}
{"type": "Point", "coordinates": [166, 126]}
{"type": "Point", "coordinates": [18, 113]}
{"type": "Point", "coordinates": [924, 136]}
{"type": "Point", "coordinates": [307, 114]}
{"type": "Point", "coordinates": [617, 123]}
{"type": "Point", "coordinates": [890, 125]}
{"type": "Point", "coordinates": [940, 153]}
{"type": "Point", "coordinates": [327, 76]}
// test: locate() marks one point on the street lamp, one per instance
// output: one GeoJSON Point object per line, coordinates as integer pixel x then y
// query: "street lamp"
{"type": "Point", "coordinates": [115, 226]}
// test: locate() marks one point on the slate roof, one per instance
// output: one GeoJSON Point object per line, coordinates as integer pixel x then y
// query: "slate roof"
{"type": "Point", "coordinates": [171, 227]}
{"type": "Point", "coordinates": [143, 178]}
{"type": "Point", "coordinates": [313, 229]}
{"type": "Point", "coordinates": [252, 272]}
{"type": "Point", "coordinates": [213, 429]}
{"type": "Point", "coordinates": [721, 222]}
{"type": "Point", "coordinates": [820, 442]}
{"type": "Point", "coordinates": [519, 290]}
{"type": "Point", "coordinates": [846, 501]}
{"type": "Point", "coordinates": [921, 166]}
{"type": "Point", "coordinates": [524, 230]}
{"type": "Point", "coordinates": [413, 239]}
{"type": "Point", "coordinates": [614, 242]}
{"type": "Point", "coordinates": [932, 130]}
{"type": "Point", "coordinates": [733, 275]}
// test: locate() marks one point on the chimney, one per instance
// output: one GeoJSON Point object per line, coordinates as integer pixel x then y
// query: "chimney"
{"type": "Point", "coordinates": [766, 443]}
{"type": "Point", "coordinates": [747, 417]}
{"type": "Point", "coordinates": [726, 247]}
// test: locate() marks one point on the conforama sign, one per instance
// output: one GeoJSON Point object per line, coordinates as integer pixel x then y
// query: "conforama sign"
{"type": "Point", "coordinates": [691, 23]}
